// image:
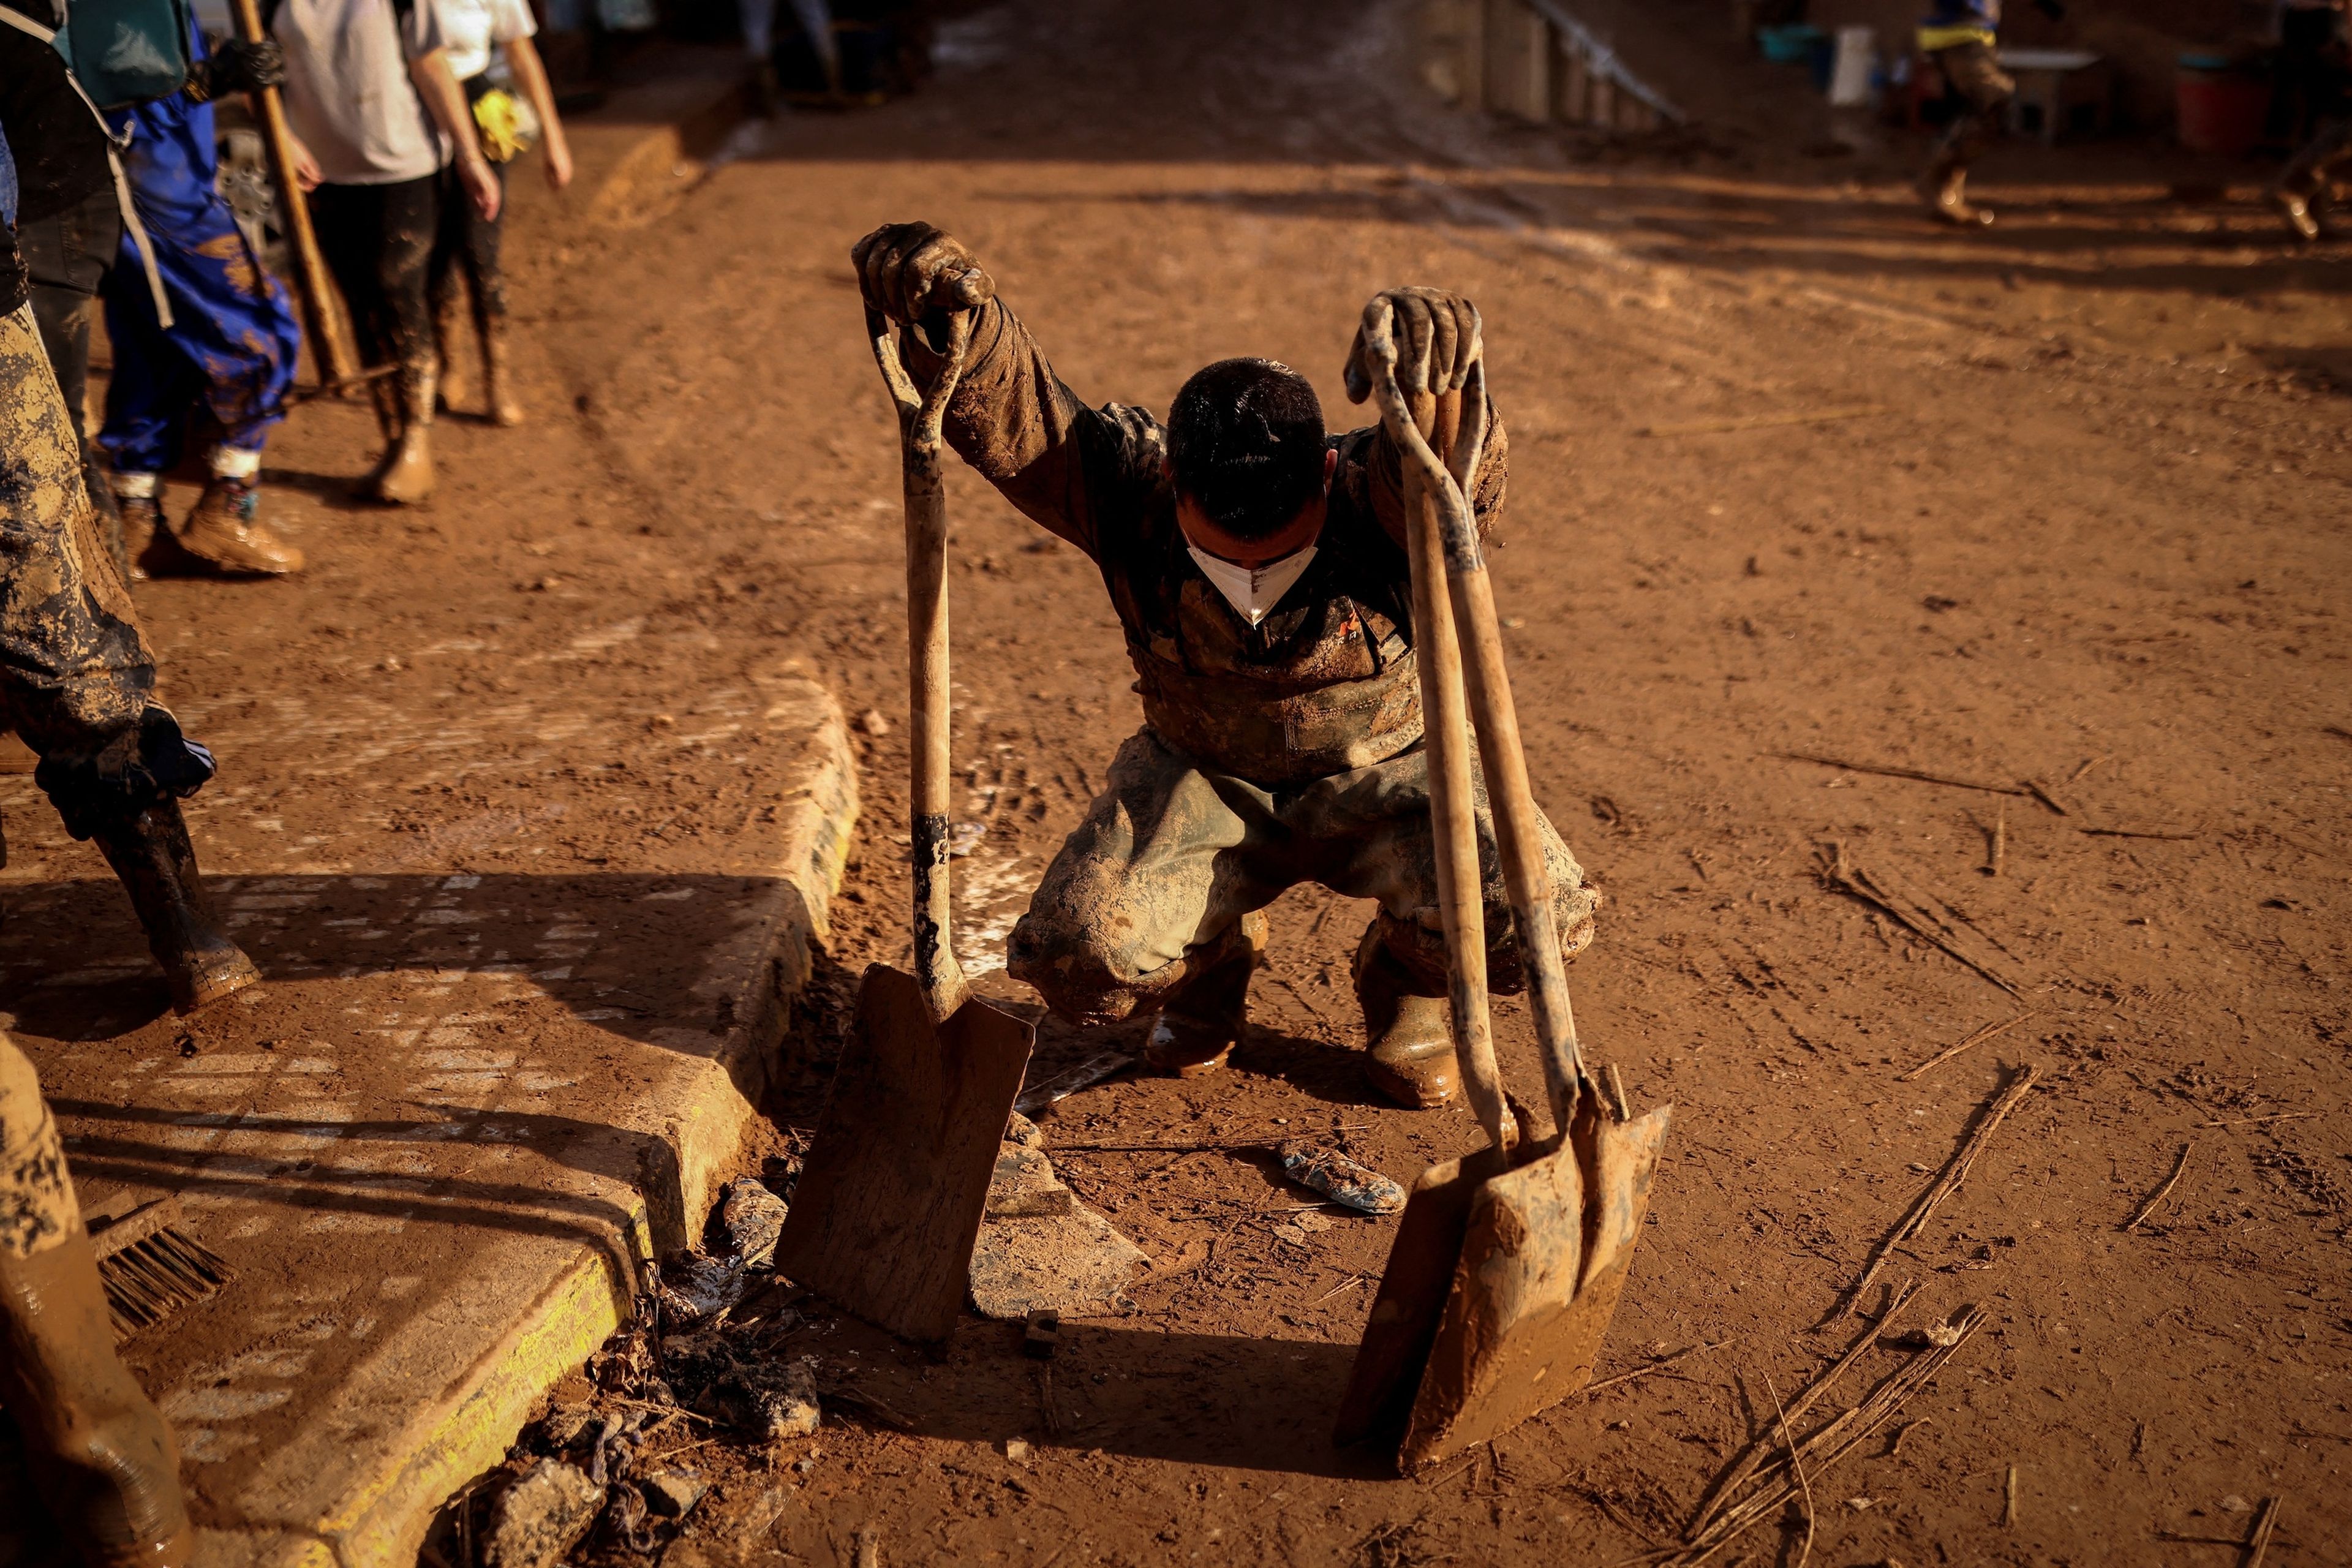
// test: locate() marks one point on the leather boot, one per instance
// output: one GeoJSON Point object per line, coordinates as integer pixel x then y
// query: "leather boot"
{"type": "Point", "coordinates": [506, 408]}
{"type": "Point", "coordinates": [407, 476]}
{"type": "Point", "coordinates": [1945, 188]}
{"type": "Point", "coordinates": [1196, 1029]}
{"type": "Point", "coordinates": [223, 535]}
{"type": "Point", "coordinates": [1410, 1058]}
{"type": "Point", "coordinates": [157, 865]}
{"type": "Point", "coordinates": [98, 1450]}
{"type": "Point", "coordinates": [448, 327]}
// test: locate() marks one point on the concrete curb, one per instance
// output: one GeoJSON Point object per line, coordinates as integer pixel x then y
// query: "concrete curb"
{"type": "Point", "coordinates": [362, 1488]}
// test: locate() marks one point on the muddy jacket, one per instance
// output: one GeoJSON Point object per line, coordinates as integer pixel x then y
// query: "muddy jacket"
{"type": "Point", "coordinates": [1322, 685]}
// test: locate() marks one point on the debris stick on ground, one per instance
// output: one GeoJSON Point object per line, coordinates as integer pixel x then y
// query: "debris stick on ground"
{"type": "Point", "coordinates": [2138, 833]}
{"type": "Point", "coordinates": [1912, 913]}
{"type": "Point", "coordinates": [1955, 1172]}
{"type": "Point", "coordinates": [2163, 1191]}
{"type": "Point", "coordinates": [1744, 1467]}
{"type": "Point", "coordinates": [1762, 421]}
{"type": "Point", "coordinates": [1996, 841]}
{"type": "Point", "coordinates": [1979, 1038]}
{"type": "Point", "coordinates": [1734, 1516]}
{"type": "Point", "coordinates": [1919, 775]}
{"type": "Point", "coordinates": [2042, 792]}
{"type": "Point", "coordinates": [2258, 1545]}
{"type": "Point", "coordinates": [1660, 1364]}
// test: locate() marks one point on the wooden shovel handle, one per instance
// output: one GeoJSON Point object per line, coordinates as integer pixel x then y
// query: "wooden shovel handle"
{"type": "Point", "coordinates": [920, 414]}
{"type": "Point", "coordinates": [337, 362]}
{"type": "Point", "coordinates": [1476, 638]}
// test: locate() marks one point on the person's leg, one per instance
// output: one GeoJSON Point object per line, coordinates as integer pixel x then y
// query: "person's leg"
{"type": "Point", "coordinates": [486, 282]}
{"type": "Point", "coordinates": [349, 222]}
{"type": "Point", "coordinates": [411, 213]}
{"type": "Point", "coordinates": [1372, 839]}
{"type": "Point", "coordinates": [77, 681]}
{"type": "Point", "coordinates": [68, 257]}
{"type": "Point", "coordinates": [1974, 80]}
{"type": "Point", "coordinates": [2306, 179]}
{"type": "Point", "coordinates": [759, 19]}
{"type": "Point", "coordinates": [1151, 904]}
{"type": "Point", "coordinates": [101, 1457]}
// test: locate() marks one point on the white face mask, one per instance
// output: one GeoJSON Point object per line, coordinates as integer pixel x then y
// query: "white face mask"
{"type": "Point", "coordinates": [1254, 590]}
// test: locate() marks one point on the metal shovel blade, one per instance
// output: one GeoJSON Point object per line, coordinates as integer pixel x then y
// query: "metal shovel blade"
{"type": "Point", "coordinates": [1412, 1300]}
{"type": "Point", "coordinates": [1545, 1251]}
{"type": "Point", "coordinates": [890, 1199]}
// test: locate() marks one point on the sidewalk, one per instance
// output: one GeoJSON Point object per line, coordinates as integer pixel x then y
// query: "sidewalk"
{"type": "Point", "coordinates": [533, 859]}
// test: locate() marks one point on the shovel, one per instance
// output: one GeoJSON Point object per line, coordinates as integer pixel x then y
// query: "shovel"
{"type": "Point", "coordinates": [890, 1200]}
{"type": "Point", "coordinates": [1508, 1262]}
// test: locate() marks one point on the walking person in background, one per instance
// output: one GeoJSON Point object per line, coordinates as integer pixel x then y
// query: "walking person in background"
{"type": "Point", "coordinates": [473, 32]}
{"type": "Point", "coordinates": [377, 113]}
{"type": "Point", "coordinates": [225, 360]}
{"type": "Point", "coordinates": [2315, 61]}
{"type": "Point", "coordinates": [1961, 39]}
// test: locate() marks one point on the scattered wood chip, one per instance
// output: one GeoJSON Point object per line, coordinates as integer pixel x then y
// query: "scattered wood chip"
{"type": "Point", "coordinates": [1997, 844]}
{"type": "Point", "coordinates": [2259, 1542]}
{"type": "Point", "coordinates": [2138, 833]}
{"type": "Point", "coordinates": [1956, 1171]}
{"type": "Point", "coordinates": [2008, 1500]}
{"type": "Point", "coordinates": [1660, 1364]}
{"type": "Point", "coordinates": [1979, 1038]}
{"type": "Point", "coordinates": [2083, 771]}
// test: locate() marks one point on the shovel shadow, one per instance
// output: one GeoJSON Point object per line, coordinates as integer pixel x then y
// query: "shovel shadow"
{"type": "Point", "coordinates": [1188, 1398]}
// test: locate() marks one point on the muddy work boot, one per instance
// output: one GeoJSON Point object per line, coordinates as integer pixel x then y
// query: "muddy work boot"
{"type": "Point", "coordinates": [144, 532]}
{"type": "Point", "coordinates": [224, 536]}
{"type": "Point", "coordinates": [450, 322]}
{"type": "Point", "coordinates": [99, 1451]}
{"type": "Point", "coordinates": [1195, 1031]}
{"type": "Point", "coordinates": [1945, 189]}
{"type": "Point", "coordinates": [405, 476]}
{"type": "Point", "coordinates": [1411, 1056]}
{"type": "Point", "coordinates": [157, 865]}
{"type": "Point", "coordinates": [498, 357]}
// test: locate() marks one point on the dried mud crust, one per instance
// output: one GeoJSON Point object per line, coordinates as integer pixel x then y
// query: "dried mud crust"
{"type": "Point", "coordinates": [2057, 552]}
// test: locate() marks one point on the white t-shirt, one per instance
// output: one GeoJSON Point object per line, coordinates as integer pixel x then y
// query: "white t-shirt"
{"type": "Point", "coordinates": [348, 91]}
{"type": "Point", "coordinates": [470, 29]}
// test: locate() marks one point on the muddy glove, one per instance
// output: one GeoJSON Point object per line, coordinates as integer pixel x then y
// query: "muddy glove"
{"type": "Point", "coordinates": [1437, 341]}
{"type": "Point", "coordinates": [238, 67]}
{"type": "Point", "coordinates": [920, 275]}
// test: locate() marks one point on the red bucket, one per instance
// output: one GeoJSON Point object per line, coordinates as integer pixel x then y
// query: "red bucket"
{"type": "Point", "coordinates": [2221, 107]}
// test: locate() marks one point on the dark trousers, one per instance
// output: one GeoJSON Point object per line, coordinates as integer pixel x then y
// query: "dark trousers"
{"type": "Point", "coordinates": [467, 245]}
{"type": "Point", "coordinates": [378, 242]}
{"type": "Point", "coordinates": [66, 258]}
{"type": "Point", "coordinates": [1978, 91]}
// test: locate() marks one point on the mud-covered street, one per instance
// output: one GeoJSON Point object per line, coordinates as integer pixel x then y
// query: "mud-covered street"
{"type": "Point", "coordinates": [2065, 517]}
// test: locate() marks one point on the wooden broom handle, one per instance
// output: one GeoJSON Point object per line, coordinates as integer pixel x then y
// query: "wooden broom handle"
{"type": "Point", "coordinates": [337, 363]}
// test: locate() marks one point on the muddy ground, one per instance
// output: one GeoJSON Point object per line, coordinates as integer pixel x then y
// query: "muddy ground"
{"type": "Point", "coordinates": [2082, 523]}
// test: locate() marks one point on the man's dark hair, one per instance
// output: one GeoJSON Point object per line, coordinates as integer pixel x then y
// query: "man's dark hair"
{"type": "Point", "coordinates": [1245, 439]}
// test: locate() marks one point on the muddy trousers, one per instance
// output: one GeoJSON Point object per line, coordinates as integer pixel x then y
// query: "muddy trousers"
{"type": "Point", "coordinates": [378, 241]}
{"type": "Point", "coordinates": [1150, 890]}
{"type": "Point", "coordinates": [36, 1199]}
{"type": "Point", "coordinates": [465, 247]}
{"type": "Point", "coordinates": [1980, 92]}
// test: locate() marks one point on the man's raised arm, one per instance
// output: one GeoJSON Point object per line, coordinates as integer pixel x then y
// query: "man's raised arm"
{"type": "Point", "coordinates": [1011, 417]}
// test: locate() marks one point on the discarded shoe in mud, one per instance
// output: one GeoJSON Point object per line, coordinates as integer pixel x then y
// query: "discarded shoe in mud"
{"type": "Point", "coordinates": [540, 1517]}
{"type": "Point", "coordinates": [753, 1217]}
{"type": "Point", "coordinates": [1340, 1179]}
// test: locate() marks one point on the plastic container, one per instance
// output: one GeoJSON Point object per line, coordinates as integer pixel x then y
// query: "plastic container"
{"type": "Point", "coordinates": [1853, 73]}
{"type": "Point", "coordinates": [2222, 104]}
{"type": "Point", "coordinates": [1790, 44]}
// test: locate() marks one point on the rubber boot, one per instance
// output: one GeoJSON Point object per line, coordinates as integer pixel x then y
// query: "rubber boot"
{"type": "Point", "coordinates": [1945, 188]}
{"type": "Point", "coordinates": [2293, 204]}
{"type": "Point", "coordinates": [157, 865]}
{"type": "Point", "coordinates": [223, 534]}
{"type": "Point", "coordinates": [147, 537]}
{"type": "Point", "coordinates": [406, 474]}
{"type": "Point", "coordinates": [506, 408]}
{"type": "Point", "coordinates": [98, 1450]}
{"type": "Point", "coordinates": [1197, 1028]}
{"type": "Point", "coordinates": [1411, 1056]}
{"type": "Point", "coordinates": [449, 325]}
{"type": "Point", "coordinates": [107, 515]}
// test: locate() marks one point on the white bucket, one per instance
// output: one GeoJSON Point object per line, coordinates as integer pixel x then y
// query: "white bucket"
{"type": "Point", "coordinates": [1857, 53]}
